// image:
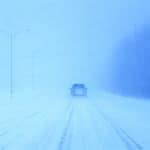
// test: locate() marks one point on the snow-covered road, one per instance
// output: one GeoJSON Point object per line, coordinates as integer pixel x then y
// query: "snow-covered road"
{"type": "Point", "coordinates": [101, 122]}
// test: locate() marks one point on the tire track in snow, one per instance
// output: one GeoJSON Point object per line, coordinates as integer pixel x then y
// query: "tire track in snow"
{"type": "Point", "coordinates": [46, 141]}
{"type": "Point", "coordinates": [20, 119]}
{"type": "Point", "coordinates": [2, 133]}
{"type": "Point", "coordinates": [65, 132]}
{"type": "Point", "coordinates": [128, 141]}
{"type": "Point", "coordinates": [6, 132]}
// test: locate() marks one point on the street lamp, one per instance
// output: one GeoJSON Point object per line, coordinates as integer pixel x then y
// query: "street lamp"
{"type": "Point", "coordinates": [12, 36]}
{"type": "Point", "coordinates": [33, 57]}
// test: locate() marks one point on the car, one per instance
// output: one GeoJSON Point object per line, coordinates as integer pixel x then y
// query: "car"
{"type": "Point", "coordinates": [78, 89]}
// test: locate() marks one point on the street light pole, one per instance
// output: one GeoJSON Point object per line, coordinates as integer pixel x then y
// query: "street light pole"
{"type": "Point", "coordinates": [33, 80]}
{"type": "Point", "coordinates": [11, 38]}
{"type": "Point", "coordinates": [33, 59]}
{"type": "Point", "coordinates": [11, 66]}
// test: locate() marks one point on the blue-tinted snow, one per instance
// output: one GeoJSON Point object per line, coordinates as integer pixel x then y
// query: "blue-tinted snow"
{"type": "Point", "coordinates": [100, 121]}
{"type": "Point", "coordinates": [103, 44]}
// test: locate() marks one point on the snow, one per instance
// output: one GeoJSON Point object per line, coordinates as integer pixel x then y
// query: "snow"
{"type": "Point", "coordinates": [99, 121]}
{"type": "Point", "coordinates": [54, 44]}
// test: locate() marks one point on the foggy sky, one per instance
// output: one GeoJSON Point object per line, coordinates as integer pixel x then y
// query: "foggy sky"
{"type": "Point", "coordinates": [73, 41]}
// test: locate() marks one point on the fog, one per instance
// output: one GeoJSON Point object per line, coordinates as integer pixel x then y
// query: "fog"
{"type": "Point", "coordinates": [130, 71]}
{"type": "Point", "coordinates": [57, 43]}
{"type": "Point", "coordinates": [46, 46]}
